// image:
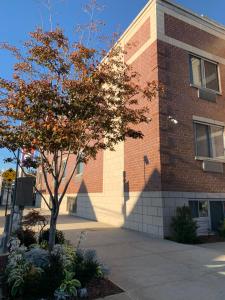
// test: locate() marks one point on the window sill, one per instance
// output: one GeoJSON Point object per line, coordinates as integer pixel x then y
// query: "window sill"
{"type": "Point", "coordinates": [200, 87]}
{"type": "Point", "coordinates": [210, 159]}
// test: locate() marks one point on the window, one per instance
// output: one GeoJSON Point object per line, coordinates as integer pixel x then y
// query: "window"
{"type": "Point", "coordinates": [204, 73]}
{"type": "Point", "coordinates": [64, 169]}
{"type": "Point", "coordinates": [209, 141]}
{"type": "Point", "coordinates": [199, 208]}
{"type": "Point", "coordinates": [80, 168]}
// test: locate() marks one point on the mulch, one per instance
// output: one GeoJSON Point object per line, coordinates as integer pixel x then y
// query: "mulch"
{"type": "Point", "coordinates": [210, 239]}
{"type": "Point", "coordinates": [100, 288]}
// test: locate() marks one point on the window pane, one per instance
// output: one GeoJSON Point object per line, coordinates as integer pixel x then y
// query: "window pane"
{"type": "Point", "coordinates": [211, 76]}
{"type": "Point", "coordinates": [217, 141]}
{"type": "Point", "coordinates": [202, 140]}
{"type": "Point", "coordinates": [64, 169]}
{"type": "Point", "coordinates": [194, 208]}
{"type": "Point", "coordinates": [196, 71]}
{"type": "Point", "coordinates": [80, 168]}
{"type": "Point", "coordinates": [203, 208]}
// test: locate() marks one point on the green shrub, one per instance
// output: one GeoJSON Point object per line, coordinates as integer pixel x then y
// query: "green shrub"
{"type": "Point", "coordinates": [26, 237]}
{"type": "Point", "coordinates": [53, 276]}
{"type": "Point", "coordinates": [221, 229]}
{"type": "Point", "coordinates": [87, 267]}
{"type": "Point", "coordinates": [35, 273]}
{"type": "Point", "coordinates": [59, 237]}
{"type": "Point", "coordinates": [21, 276]}
{"type": "Point", "coordinates": [183, 226]}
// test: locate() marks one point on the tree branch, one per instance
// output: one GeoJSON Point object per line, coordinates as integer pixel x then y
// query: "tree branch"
{"type": "Point", "coordinates": [68, 182]}
{"type": "Point", "coordinates": [61, 177]}
{"type": "Point", "coordinates": [46, 179]}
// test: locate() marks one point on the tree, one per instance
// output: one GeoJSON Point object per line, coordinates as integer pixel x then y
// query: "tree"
{"type": "Point", "coordinates": [67, 99]}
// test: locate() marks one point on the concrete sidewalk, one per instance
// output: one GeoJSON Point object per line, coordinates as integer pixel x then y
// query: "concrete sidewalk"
{"type": "Point", "coordinates": [151, 269]}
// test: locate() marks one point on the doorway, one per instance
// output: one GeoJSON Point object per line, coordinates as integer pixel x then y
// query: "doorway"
{"type": "Point", "coordinates": [217, 214]}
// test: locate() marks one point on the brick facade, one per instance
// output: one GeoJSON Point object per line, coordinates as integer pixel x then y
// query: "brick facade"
{"type": "Point", "coordinates": [137, 40]}
{"type": "Point", "coordinates": [140, 185]}
{"type": "Point", "coordinates": [180, 170]}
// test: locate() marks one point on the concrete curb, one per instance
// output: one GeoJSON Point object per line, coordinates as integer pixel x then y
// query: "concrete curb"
{"type": "Point", "coordinates": [122, 296]}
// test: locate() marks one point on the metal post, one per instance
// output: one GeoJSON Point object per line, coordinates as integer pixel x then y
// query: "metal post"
{"type": "Point", "coordinates": [9, 217]}
{"type": "Point", "coordinates": [7, 201]}
{"type": "Point", "coordinates": [14, 193]}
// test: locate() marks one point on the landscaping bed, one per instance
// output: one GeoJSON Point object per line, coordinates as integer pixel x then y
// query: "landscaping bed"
{"type": "Point", "coordinates": [100, 288]}
{"type": "Point", "coordinates": [210, 239]}
{"type": "Point", "coordinates": [97, 288]}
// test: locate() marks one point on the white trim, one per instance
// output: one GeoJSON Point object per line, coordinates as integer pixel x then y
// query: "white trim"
{"type": "Point", "coordinates": [210, 159]}
{"type": "Point", "coordinates": [203, 88]}
{"type": "Point", "coordinates": [137, 22]}
{"type": "Point", "coordinates": [140, 51]}
{"type": "Point", "coordinates": [208, 121]}
{"type": "Point", "coordinates": [150, 13]}
{"type": "Point", "coordinates": [190, 48]}
{"type": "Point", "coordinates": [190, 17]}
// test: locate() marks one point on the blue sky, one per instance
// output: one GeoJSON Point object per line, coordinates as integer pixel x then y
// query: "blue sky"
{"type": "Point", "coordinates": [19, 17]}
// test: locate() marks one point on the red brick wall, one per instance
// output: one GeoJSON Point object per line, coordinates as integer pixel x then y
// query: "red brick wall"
{"type": "Point", "coordinates": [90, 181]}
{"type": "Point", "coordinates": [180, 170]}
{"type": "Point", "coordinates": [138, 39]}
{"type": "Point", "coordinates": [193, 36]}
{"type": "Point", "coordinates": [139, 176]}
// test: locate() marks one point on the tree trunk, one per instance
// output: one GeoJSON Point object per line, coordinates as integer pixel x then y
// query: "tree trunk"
{"type": "Point", "coordinates": [52, 230]}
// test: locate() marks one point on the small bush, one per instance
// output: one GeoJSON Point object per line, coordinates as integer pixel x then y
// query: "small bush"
{"type": "Point", "coordinates": [34, 218]}
{"type": "Point", "coordinates": [221, 229]}
{"type": "Point", "coordinates": [59, 237]}
{"type": "Point", "coordinates": [36, 273]}
{"type": "Point", "coordinates": [26, 237]}
{"type": "Point", "coordinates": [184, 227]}
{"type": "Point", "coordinates": [87, 267]}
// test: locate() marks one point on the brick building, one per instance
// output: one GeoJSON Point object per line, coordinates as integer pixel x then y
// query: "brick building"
{"type": "Point", "coordinates": [181, 158]}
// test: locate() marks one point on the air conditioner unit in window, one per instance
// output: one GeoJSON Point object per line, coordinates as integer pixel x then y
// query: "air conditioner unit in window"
{"type": "Point", "coordinates": [207, 95]}
{"type": "Point", "coordinates": [212, 166]}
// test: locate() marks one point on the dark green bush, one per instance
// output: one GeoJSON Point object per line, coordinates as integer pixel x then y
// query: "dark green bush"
{"type": "Point", "coordinates": [87, 266]}
{"type": "Point", "coordinates": [184, 227]}
{"type": "Point", "coordinates": [59, 237]}
{"type": "Point", "coordinates": [221, 229]}
{"type": "Point", "coordinates": [52, 277]}
{"type": "Point", "coordinates": [26, 237]}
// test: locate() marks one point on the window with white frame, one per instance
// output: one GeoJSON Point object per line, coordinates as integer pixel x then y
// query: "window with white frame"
{"type": "Point", "coordinates": [199, 208]}
{"type": "Point", "coordinates": [204, 73]}
{"type": "Point", "coordinates": [209, 140]}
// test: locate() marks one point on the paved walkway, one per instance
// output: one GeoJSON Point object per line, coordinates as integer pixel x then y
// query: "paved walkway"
{"type": "Point", "coordinates": [151, 269]}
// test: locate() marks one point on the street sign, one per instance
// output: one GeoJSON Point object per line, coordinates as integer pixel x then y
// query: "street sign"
{"type": "Point", "coordinates": [9, 176]}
